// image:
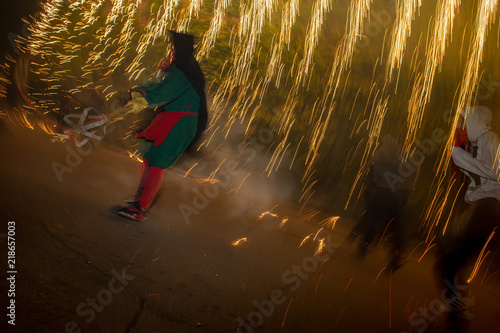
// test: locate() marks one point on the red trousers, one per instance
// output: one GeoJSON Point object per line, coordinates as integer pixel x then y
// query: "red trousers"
{"type": "Point", "coordinates": [151, 179]}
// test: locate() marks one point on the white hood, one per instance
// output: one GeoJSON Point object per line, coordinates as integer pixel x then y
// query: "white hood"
{"type": "Point", "coordinates": [477, 121]}
{"type": "Point", "coordinates": [481, 162]}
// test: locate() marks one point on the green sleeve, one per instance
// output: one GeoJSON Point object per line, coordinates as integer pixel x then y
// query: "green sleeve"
{"type": "Point", "coordinates": [172, 86]}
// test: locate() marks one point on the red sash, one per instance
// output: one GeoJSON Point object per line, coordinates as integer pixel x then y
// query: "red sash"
{"type": "Point", "coordinates": [161, 126]}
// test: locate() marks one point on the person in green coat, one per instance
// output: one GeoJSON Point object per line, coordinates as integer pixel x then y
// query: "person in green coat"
{"type": "Point", "coordinates": [181, 98]}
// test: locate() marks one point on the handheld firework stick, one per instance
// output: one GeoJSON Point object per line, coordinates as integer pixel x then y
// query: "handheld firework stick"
{"type": "Point", "coordinates": [89, 122]}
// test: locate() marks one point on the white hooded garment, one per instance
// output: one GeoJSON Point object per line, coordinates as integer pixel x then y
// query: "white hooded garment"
{"type": "Point", "coordinates": [482, 163]}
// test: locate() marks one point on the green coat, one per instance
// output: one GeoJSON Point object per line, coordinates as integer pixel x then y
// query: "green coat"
{"type": "Point", "coordinates": [173, 129]}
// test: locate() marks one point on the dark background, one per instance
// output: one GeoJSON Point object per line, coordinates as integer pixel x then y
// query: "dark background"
{"type": "Point", "coordinates": [12, 13]}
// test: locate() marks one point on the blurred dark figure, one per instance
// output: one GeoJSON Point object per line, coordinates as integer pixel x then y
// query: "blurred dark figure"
{"type": "Point", "coordinates": [457, 180]}
{"type": "Point", "coordinates": [389, 184]}
{"type": "Point", "coordinates": [479, 215]}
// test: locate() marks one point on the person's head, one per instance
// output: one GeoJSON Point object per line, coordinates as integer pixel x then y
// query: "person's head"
{"type": "Point", "coordinates": [180, 47]}
{"type": "Point", "coordinates": [390, 146]}
{"type": "Point", "coordinates": [169, 58]}
{"type": "Point", "coordinates": [477, 121]}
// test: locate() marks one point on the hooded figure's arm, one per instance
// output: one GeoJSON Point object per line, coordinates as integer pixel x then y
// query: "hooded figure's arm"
{"type": "Point", "coordinates": [172, 86]}
{"type": "Point", "coordinates": [486, 164]}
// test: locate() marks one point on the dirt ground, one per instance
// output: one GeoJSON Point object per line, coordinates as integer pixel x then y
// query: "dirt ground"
{"type": "Point", "coordinates": [82, 268]}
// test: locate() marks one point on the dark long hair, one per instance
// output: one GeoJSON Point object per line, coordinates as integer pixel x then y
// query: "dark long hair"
{"type": "Point", "coordinates": [189, 66]}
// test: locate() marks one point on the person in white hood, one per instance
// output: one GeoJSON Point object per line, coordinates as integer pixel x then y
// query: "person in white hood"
{"type": "Point", "coordinates": [480, 160]}
{"type": "Point", "coordinates": [470, 230]}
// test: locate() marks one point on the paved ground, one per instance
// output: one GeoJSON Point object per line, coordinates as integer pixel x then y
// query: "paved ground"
{"type": "Point", "coordinates": [81, 268]}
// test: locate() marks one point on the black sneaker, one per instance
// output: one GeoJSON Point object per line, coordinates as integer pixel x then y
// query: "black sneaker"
{"type": "Point", "coordinates": [136, 213]}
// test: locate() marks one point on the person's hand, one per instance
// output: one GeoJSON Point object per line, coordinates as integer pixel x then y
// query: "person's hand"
{"type": "Point", "coordinates": [137, 104]}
